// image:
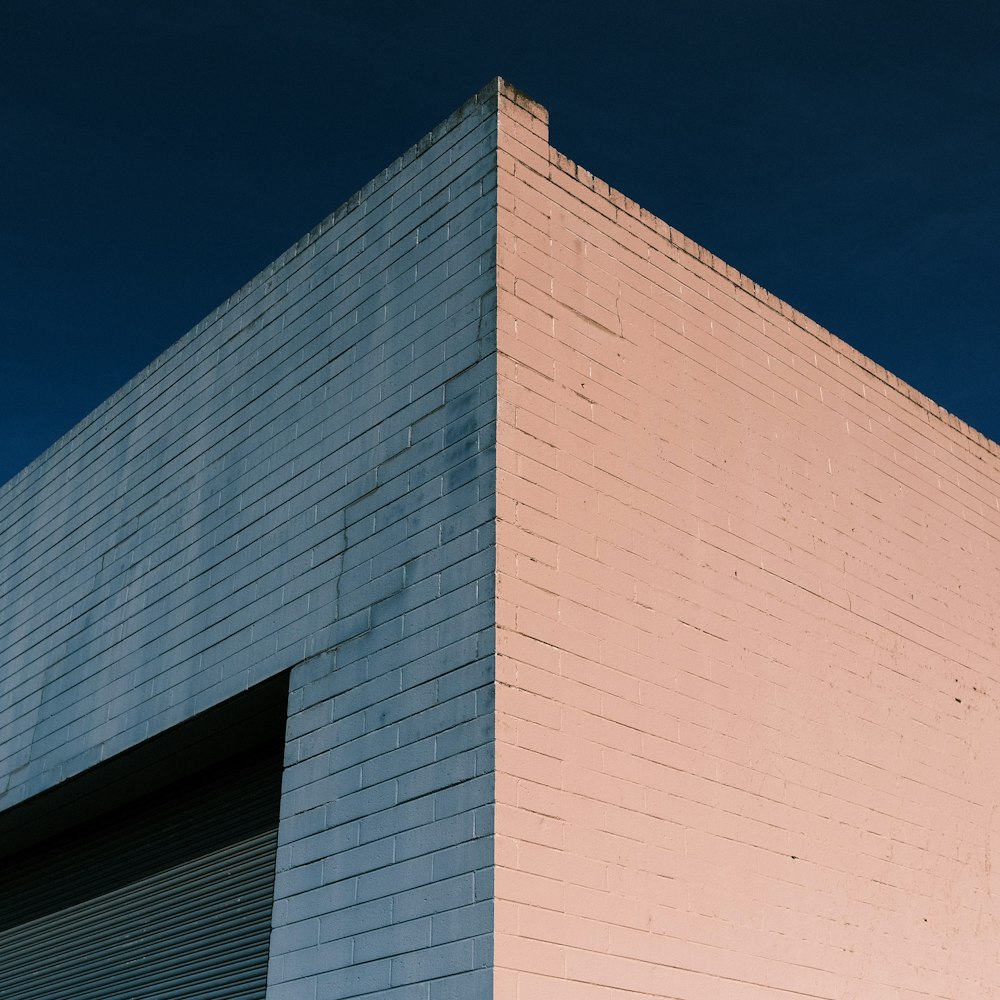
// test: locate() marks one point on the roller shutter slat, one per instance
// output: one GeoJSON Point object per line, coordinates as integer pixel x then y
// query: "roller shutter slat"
{"type": "Point", "coordinates": [197, 929]}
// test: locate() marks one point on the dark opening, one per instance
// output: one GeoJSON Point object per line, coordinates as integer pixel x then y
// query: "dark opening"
{"type": "Point", "coordinates": [203, 785]}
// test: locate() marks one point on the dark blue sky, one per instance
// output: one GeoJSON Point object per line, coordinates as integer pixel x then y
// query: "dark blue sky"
{"type": "Point", "coordinates": [155, 155]}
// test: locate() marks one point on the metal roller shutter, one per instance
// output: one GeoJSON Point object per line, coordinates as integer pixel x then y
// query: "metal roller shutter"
{"type": "Point", "coordinates": [167, 897]}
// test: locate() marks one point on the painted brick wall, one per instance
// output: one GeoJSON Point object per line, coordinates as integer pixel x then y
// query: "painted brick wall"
{"type": "Point", "coordinates": [305, 481]}
{"type": "Point", "coordinates": [747, 678]}
{"type": "Point", "coordinates": [745, 614]}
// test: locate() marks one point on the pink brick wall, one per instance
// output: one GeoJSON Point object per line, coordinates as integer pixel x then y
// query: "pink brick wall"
{"type": "Point", "coordinates": [748, 728]}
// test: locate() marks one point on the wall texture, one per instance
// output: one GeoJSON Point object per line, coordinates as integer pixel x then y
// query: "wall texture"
{"type": "Point", "coordinates": [747, 678]}
{"type": "Point", "coordinates": [305, 481]}
{"type": "Point", "coordinates": [642, 636]}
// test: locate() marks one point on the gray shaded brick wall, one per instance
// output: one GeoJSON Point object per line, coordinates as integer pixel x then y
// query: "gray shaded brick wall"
{"type": "Point", "coordinates": [305, 481]}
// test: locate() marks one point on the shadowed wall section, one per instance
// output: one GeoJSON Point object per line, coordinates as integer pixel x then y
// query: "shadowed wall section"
{"type": "Point", "coordinates": [304, 482]}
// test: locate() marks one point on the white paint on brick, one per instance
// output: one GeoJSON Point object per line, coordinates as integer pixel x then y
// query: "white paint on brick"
{"type": "Point", "coordinates": [305, 481]}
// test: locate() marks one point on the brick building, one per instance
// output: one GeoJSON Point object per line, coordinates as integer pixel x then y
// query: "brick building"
{"type": "Point", "coordinates": [502, 596]}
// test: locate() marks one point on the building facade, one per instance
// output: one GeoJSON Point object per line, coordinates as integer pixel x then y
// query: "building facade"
{"type": "Point", "coordinates": [500, 596]}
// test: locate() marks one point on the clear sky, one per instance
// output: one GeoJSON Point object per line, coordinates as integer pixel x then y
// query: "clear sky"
{"type": "Point", "coordinates": [156, 154]}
